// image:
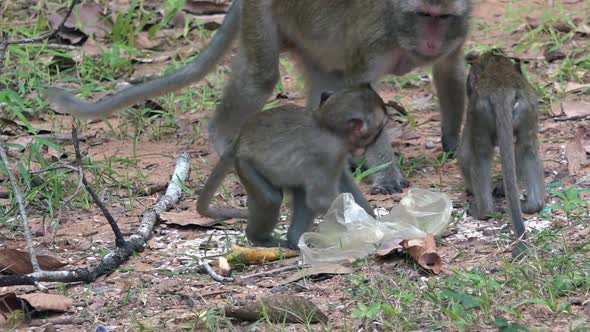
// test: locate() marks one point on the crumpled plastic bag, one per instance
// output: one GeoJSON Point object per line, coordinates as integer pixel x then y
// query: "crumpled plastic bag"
{"type": "Point", "coordinates": [349, 232]}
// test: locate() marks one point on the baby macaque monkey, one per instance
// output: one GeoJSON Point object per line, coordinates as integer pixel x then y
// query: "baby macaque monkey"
{"type": "Point", "coordinates": [304, 152]}
{"type": "Point", "coordinates": [502, 110]}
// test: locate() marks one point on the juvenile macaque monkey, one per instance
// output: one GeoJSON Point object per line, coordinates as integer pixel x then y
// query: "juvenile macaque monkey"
{"type": "Point", "coordinates": [338, 43]}
{"type": "Point", "coordinates": [304, 152]}
{"type": "Point", "coordinates": [502, 110]}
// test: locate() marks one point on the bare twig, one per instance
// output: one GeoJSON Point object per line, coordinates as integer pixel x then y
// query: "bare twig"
{"type": "Point", "coordinates": [119, 239]}
{"type": "Point", "coordinates": [135, 243]}
{"type": "Point", "coordinates": [272, 272]}
{"type": "Point", "coordinates": [21, 207]}
{"type": "Point", "coordinates": [571, 118]}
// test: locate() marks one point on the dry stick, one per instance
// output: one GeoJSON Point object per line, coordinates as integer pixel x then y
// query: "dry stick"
{"type": "Point", "coordinates": [134, 243]}
{"type": "Point", "coordinates": [272, 272]}
{"type": "Point", "coordinates": [21, 208]}
{"type": "Point", "coordinates": [119, 239]}
{"type": "Point", "coordinates": [5, 42]}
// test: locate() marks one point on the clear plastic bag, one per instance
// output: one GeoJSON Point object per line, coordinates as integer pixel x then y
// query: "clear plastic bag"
{"type": "Point", "coordinates": [349, 232]}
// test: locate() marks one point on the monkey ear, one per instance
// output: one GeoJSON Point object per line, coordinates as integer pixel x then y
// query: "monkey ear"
{"type": "Point", "coordinates": [324, 96]}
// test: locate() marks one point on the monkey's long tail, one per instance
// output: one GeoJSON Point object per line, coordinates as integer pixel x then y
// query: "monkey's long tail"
{"type": "Point", "coordinates": [506, 143]}
{"type": "Point", "coordinates": [220, 171]}
{"type": "Point", "coordinates": [193, 72]}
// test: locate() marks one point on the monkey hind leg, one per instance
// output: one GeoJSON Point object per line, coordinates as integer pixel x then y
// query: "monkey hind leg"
{"type": "Point", "coordinates": [449, 80]}
{"type": "Point", "coordinates": [254, 73]}
{"type": "Point", "coordinates": [530, 170]}
{"type": "Point", "coordinates": [481, 179]}
{"type": "Point", "coordinates": [264, 203]}
{"type": "Point", "coordinates": [301, 218]}
{"type": "Point", "coordinates": [388, 180]}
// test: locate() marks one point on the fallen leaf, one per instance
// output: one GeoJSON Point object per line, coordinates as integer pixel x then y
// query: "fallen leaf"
{"type": "Point", "coordinates": [423, 251]}
{"type": "Point", "coordinates": [386, 250]}
{"type": "Point", "coordinates": [575, 154]}
{"type": "Point", "coordinates": [571, 108]}
{"type": "Point", "coordinates": [85, 19]}
{"type": "Point", "coordinates": [255, 255]}
{"type": "Point", "coordinates": [11, 302]}
{"type": "Point", "coordinates": [554, 54]}
{"type": "Point", "coordinates": [205, 7]}
{"type": "Point", "coordinates": [143, 41]}
{"type": "Point", "coordinates": [571, 87]}
{"type": "Point", "coordinates": [313, 271]}
{"type": "Point", "coordinates": [19, 262]}
{"type": "Point", "coordinates": [48, 302]}
{"type": "Point", "coordinates": [278, 309]}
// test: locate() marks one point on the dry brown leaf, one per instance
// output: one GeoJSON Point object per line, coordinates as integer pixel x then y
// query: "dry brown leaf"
{"type": "Point", "coordinates": [9, 302]}
{"type": "Point", "coordinates": [48, 302]}
{"type": "Point", "coordinates": [143, 41]}
{"type": "Point", "coordinates": [423, 251]}
{"type": "Point", "coordinates": [313, 271]}
{"type": "Point", "coordinates": [279, 309]}
{"type": "Point", "coordinates": [576, 108]}
{"type": "Point", "coordinates": [384, 251]}
{"type": "Point", "coordinates": [187, 218]}
{"type": "Point", "coordinates": [575, 154]}
{"type": "Point", "coordinates": [206, 7]}
{"type": "Point", "coordinates": [19, 262]}
{"type": "Point", "coordinates": [571, 108]}
{"type": "Point", "coordinates": [551, 54]}
{"type": "Point", "coordinates": [571, 87]}
{"type": "Point", "coordinates": [87, 17]}
{"type": "Point", "coordinates": [254, 255]}
{"type": "Point", "coordinates": [210, 22]}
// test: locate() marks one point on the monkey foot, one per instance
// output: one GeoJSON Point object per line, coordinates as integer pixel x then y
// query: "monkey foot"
{"type": "Point", "coordinates": [450, 144]}
{"type": "Point", "coordinates": [530, 207]}
{"type": "Point", "coordinates": [387, 187]}
{"type": "Point", "coordinates": [519, 250]}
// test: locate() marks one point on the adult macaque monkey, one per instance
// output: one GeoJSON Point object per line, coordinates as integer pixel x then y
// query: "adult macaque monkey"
{"type": "Point", "coordinates": [502, 109]}
{"type": "Point", "coordinates": [339, 43]}
{"type": "Point", "coordinates": [304, 152]}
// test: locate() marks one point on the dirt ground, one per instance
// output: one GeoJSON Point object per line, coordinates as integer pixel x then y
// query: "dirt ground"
{"type": "Point", "coordinates": [158, 289]}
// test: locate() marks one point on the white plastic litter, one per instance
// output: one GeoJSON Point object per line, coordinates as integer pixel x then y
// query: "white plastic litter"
{"type": "Point", "coordinates": [349, 232]}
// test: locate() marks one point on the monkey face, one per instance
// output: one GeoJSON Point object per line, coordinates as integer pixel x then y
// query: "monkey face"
{"type": "Point", "coordinates": [429, 29]}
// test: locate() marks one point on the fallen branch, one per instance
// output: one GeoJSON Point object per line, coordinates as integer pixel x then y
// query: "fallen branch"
{"type": "Point", "coordinates": [117, 256]}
